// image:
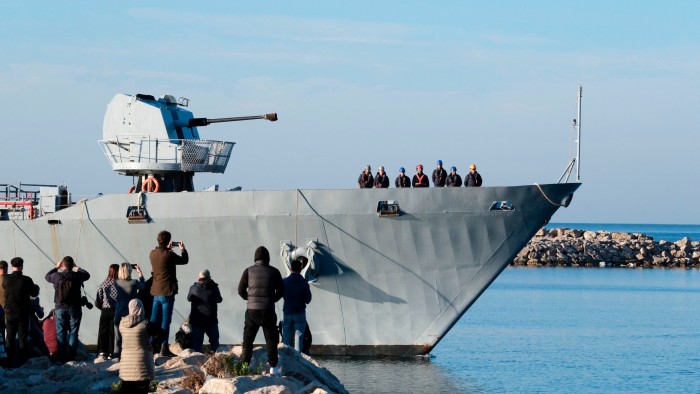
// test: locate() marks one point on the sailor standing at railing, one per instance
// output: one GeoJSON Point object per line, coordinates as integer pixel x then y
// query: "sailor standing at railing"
{"type": "Point", "coordinates": [473, 178]}
{"type": "Point", "coordinates": [439, 175]}
{"type": "Point", "coordinates": [402, 180]}
{"type": "Point", "coordinates": [381, 180]}
{"type": "Point", "coordinates": [420, 179]}
{"type": "Point", "coordinates": [366, 180]}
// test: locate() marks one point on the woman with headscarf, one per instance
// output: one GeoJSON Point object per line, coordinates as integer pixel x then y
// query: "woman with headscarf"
{"type": "Point", "coordinates": [106, 301]}
{"type": "Point", "coordinates": [127, 289]}
{"type": "Point", "coordinates": [136, 369]}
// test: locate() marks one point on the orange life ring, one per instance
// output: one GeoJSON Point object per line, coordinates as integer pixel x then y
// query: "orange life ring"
{"type": "Point", "coordinates": [150, 185]}
{"type": "Point", "coordinates": [131, 189]}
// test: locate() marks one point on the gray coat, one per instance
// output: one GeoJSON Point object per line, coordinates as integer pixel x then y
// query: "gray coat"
{"type": "Point", "coordinates": [126, 291]}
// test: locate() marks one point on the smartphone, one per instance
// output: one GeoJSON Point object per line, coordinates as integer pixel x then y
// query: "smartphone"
{"type": "Point", "coordinates": [133, 266]}
{"type": "Point", "coordinates": [176, 244]}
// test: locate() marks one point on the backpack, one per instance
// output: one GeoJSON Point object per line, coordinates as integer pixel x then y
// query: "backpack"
{"type": "Point", "coordinates": [183, 336]}
{"type": "Point", "coordinates": [65, 293]}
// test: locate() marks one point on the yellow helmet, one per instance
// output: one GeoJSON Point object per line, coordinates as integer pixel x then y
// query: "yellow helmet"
{"type": "Point", "coordinates": [472, 166]}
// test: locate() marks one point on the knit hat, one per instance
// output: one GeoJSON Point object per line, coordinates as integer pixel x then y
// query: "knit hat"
{"type": "Point", "coordinates": [204, 274]}
{"type": "Point", "coordinates": [453, 168]}
{"type": "Point", "coordinates": [261, 253]}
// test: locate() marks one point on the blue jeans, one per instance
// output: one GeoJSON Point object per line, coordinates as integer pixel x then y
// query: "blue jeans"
{"type": "Point", "coordinates": [294, 323]}
{"type": "Point", "coordinates": [163, 312]}
{"type": "Point", "coordinates": [212, 332]}
{"type": "Point", "coordinates": [67, 326]}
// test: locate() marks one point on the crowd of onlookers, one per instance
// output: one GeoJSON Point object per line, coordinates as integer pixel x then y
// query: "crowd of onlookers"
{"type": "Point", "coordinates": [440, 177]}
{"type": "Point", "coordinates": [135, 314]}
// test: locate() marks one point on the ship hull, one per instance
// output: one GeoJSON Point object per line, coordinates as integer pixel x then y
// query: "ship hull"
{"type": "Point", "coordinates": [386, 285]}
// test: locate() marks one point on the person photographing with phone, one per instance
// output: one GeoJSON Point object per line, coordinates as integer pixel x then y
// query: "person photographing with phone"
{"type": "Point", "coordinates": [127, 289]}
{"type": "Point", "coordinates": [164, 264]}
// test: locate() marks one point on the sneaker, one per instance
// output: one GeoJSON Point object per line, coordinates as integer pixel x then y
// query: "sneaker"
{"type": "Point", "coordinates": [275, 371]}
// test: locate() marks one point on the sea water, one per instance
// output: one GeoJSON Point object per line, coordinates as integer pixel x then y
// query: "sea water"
{"type": "Point", "coordinates": [590, 330]}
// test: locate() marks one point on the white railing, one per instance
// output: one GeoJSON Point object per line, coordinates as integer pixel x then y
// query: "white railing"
{"type": "Point", "coordinates": [133, 155]}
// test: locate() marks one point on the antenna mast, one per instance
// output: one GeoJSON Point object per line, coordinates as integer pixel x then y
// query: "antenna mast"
{"type": "Point", "coordinates": [575, 161]}
{"type": "Point", "coordinates": [578, 135]}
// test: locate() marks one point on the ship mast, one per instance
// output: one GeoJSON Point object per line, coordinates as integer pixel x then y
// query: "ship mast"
{"type": "Point", "coordinates": [578, 134]}
{"type": "Point", "coordinates": [576, 160]}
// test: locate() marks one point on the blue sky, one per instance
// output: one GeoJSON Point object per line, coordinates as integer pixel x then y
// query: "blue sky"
{"type": "Point", "coordinates": [391, 83]}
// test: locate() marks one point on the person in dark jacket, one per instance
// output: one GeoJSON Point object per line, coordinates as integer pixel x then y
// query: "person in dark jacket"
{"type": "Point", "coordinates": [381, 180]}
{"type": "Point", "coordinates": [3, 271]}
{"type": "Point", "coordinates": [204, 297]}
{"type": "Point", "coordinates": [420, 179]}
{"type": "Point", "coordinates": [164, 264]}
{"type": "Point", "coordinates": [147, 299]}
{"type": "Point", "coordinates": [296, 295]}
{"type": "Point", "coordinates": [127, 289]}
{"type": "Point", "coordinates": [366, 180]}
{"type": "Point", "coordinates": [19, 289]}
{"type": "Point", "coordinates": [439, 175]}
{"type": "Point", "coordinates": [261, 286]}
{"type": "Point", "coordinates": [36, 332]}
{"type": "Point", "coordinates": [454, 180]}
{"type": "Point", "coordinates": [402, 180]}
{"type": "Point", "coordinates": [473, 178]}
{"type": "Point", "coordinates": [68, 311]}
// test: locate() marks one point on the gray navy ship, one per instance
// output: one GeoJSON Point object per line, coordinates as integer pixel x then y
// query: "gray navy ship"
{"type": "Point", "coordinates": [391, 270]}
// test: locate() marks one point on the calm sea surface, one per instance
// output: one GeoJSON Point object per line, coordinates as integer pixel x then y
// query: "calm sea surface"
{"type": "Point", "coordinates": [586, 330]}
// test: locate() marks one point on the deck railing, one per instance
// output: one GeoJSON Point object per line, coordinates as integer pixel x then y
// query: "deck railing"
{"type": "Point", "coordinates": [132, 155]}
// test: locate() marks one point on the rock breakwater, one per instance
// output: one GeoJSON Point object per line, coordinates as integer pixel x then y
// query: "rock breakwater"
{"type": "Point", "coordinates": [574, 248]}
{"type": "Point", "coordinates": [189, 372]}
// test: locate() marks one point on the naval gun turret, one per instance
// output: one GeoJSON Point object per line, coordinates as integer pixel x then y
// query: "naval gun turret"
{"type": "Point", "coordinates": [157, 141]}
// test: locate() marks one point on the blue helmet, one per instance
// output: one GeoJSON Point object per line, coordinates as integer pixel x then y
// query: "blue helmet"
{"type": "Point", "coordinates": [439, 162]}
{"type": "Point", "coordinates": [453, 168]}
{"type": "Point", "coordinates": [402, 169]}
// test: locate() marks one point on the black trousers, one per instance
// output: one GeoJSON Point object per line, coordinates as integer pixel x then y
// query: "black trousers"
{"type": "Point", "coordinates": [137, 387]}
{"type": "Point", "coordinates": [254, 319]}
{"type": "Point", "coordinates": [105, 332]}
{"type": "Point", "coordinates": [17, 327]}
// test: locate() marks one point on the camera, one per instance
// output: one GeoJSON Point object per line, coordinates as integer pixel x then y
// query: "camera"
{"type": "Point", "coordinates": [84, 302]}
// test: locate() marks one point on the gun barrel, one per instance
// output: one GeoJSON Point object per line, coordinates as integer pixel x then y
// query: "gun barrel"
{"type": "Point", "coordinates": [194, 122]}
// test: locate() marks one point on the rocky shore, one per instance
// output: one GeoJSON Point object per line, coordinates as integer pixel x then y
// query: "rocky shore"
{"type": "Point", "coordinates": [189, 372]}
{"type": "Point", "coordinates": [579, 248]}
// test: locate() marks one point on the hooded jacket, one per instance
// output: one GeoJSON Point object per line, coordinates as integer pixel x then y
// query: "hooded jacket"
{"type": "Point", "coordinates": [261, 285]}
{"type": "Point", "coordinates": [204, 297]}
